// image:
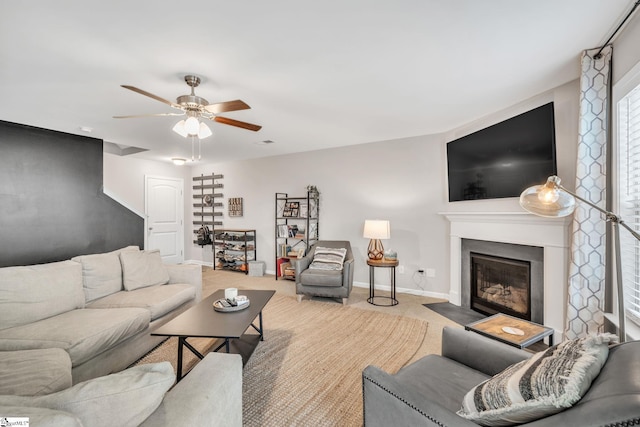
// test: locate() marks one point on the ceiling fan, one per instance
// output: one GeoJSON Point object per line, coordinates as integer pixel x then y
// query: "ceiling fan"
{"type": "Point", "coordinates": [195, 108]}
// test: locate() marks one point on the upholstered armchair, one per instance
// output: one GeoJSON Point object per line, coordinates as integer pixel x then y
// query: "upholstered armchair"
{"type": "Point", "coordinates": [324, 282]}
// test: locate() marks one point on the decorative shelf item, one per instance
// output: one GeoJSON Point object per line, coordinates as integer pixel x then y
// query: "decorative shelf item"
{"type": "Point", "coordinates": [296, 229]}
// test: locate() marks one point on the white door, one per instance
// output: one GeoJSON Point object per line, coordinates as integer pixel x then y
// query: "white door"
{"type": "Point", "coordinates": [164, 201]}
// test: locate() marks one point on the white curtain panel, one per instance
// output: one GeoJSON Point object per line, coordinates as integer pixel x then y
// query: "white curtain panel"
{"type": "Point", "coordinates": [586, 287]}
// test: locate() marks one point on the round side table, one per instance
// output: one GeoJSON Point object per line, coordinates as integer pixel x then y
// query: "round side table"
{"type": "Point", "coordinates": [373, 264]}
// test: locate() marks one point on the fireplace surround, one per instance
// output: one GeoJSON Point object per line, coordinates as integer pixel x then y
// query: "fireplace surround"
{"type": "Point", "coordinates": [520, 228]}
{"type": "Point", "coordinates": [512, 257]}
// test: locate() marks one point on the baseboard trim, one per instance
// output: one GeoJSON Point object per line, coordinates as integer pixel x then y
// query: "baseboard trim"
{"type": "Point", "coordinates": [400, 290]}
{"type": "Point", "coordinates": [198, 262]}
{"type": "Point", "coordinates": [410, 291]}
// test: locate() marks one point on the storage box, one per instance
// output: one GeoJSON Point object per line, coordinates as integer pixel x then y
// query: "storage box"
{"type": "Point", "coordinates": [256, 268]}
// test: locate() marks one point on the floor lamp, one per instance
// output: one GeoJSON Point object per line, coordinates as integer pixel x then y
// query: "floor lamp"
{"type": "Point", "coordinates": [554, 201]}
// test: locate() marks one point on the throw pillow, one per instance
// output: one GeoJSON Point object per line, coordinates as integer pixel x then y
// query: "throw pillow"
{"type": "Point", "coordinates": [328, 258]}
{"type": "Point", "coordinates": [102, 273]}
{"type": "Point", "coordinates": [126, 398]}
{"type": "Point", "coordinates": [142, 268]}
{"type": "Point", "coordinates": [545, 384]}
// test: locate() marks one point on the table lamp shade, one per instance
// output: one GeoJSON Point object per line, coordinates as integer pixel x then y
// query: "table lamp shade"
{"type": "Point", "coordinates": [376, 230]}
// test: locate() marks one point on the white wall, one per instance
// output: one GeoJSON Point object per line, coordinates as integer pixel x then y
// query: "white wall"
{"type": "Point", "coordinates": [625, 48]}
{"type": "Point", "coordinates": [402, 180]}
{"type": "Point", "coordinates": [396, 180]}
{"type": "Point", "coordinates": [124, 178]}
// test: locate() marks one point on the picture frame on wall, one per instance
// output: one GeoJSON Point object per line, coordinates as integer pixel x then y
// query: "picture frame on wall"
{"type": "Point", "coordinates": [235, 206]}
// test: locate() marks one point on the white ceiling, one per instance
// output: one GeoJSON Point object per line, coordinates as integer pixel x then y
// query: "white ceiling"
{"type": "Point", "coordinates": [317, 74]}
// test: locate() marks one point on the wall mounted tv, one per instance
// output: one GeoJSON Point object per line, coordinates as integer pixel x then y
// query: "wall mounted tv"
{"type": "Point", "coordinates": [504, 159]}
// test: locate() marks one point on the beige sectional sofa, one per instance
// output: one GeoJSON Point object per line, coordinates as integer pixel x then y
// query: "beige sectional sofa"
{"type": "Point", "coordinates": [99, 308]}
{"type": "Point", "coordinates": [144, 395]}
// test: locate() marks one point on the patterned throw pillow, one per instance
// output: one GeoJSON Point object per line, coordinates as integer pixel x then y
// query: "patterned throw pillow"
{"type": "Point", "coordinates": [328, 258]}
{"type": "Point", "coordinates": [545, 384]}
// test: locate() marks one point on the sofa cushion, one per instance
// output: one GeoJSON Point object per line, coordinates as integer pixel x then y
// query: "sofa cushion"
{"type": "Point", "coordinates": [82, 333]}
{"type": "Point", "coordinates": [143, 268]}
{"type": "Point", "coordinates": [159, 299]}
{"type": "Point", "coordinates": [41, 417]}
{"type": "Point", "coordinates": [328, 258]}
{"type": "Point", "coordinates": [102, 273]}
{"type": "Point", "coordinates": [123, 399]}
{"type": "Point", "coordinates": [547, 383]}
{"type": "Point", "coordinates": [35, 292]}
{"type": "Point", "coordinates": [34, 372]}
{"type": "Point", "coordinates": [311, 277]}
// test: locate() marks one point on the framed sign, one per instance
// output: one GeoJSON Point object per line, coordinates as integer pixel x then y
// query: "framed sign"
{"type": "Point", "coordinates": [235, 206]}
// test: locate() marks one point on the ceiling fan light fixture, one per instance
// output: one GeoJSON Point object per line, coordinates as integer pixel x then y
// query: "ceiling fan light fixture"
{"type": "Point", "coordinates": [179, 128]}
{"type": "Point", "coordinates": [204, 131]}
{"type": "Point", "coordinates": [192, 126]}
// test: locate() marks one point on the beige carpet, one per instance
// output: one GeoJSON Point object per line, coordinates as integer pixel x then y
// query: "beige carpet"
{"type": "Point", "coordinates": [308, 369]}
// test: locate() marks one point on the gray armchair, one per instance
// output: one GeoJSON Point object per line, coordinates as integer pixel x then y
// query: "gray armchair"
{"type": "Point", "coordinates": [429, 391]}
{"type": "Point", "coordinates": [323, 283]}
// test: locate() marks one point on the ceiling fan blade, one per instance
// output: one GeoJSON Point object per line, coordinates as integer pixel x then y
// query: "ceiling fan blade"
{"type": "Point", "coordinates": [223, 107]}
{"type": "Point", "coordinates": [149, 115]}
{"type": "Point", "coordinates": [237, 123]}
{"type": "Point", "coordinates": [150, 95]}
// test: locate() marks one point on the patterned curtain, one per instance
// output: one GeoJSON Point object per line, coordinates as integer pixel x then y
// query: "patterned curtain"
{"type": "Point", "coordinates": [586, 288]}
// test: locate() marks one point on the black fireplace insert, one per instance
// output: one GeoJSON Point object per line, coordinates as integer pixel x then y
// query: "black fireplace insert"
{"type": "Point", "coordinates": [500, 285]}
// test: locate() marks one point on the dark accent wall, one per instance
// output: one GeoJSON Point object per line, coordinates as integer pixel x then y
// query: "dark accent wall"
{"type": "Point", "coordinates": [52, 206]}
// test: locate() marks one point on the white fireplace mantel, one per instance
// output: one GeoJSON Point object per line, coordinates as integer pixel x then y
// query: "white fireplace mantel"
{"type": "Point", "coordinates": [521, 228]}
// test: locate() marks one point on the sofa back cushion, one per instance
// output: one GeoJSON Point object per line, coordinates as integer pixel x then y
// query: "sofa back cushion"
{"type": "Point", "coordinates": [102, 273]}
{"type": "Point", "coordinates": [143, 268]}
{"type": "Point", "coordinates": [36, 292]}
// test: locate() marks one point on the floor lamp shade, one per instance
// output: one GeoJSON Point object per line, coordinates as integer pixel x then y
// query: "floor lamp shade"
{"type": "Point", "coordinates": [554, 201]}
{"type": "Point", "coordinates": [376, 230]}
{"type": "Point", "coordinates": [548, 200]}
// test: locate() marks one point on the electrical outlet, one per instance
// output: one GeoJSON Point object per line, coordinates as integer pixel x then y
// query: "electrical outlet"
{"type": "Point", "coordinates": [401, 269]}
{"type": "Point", "coordinates": [430, 272]}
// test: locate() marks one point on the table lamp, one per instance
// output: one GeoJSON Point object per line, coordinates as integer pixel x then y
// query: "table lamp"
{"type": "Point", "coordinates": [552, 200]}
{"type": "Point", "coordinates": [375, 230]}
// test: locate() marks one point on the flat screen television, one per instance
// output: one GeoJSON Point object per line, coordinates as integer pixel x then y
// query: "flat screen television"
{"type": "Point", "coordinates": [504, 159]}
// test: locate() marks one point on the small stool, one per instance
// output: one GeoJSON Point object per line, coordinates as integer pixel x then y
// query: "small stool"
{"type": "Point", "coordinates": [256, 268]}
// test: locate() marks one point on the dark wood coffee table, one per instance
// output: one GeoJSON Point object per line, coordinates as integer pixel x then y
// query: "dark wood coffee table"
{"type": "Point", "coordinates": [203, 321]}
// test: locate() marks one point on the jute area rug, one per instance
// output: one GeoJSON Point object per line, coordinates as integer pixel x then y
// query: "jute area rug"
{"type": "Point", "coordinates": [308, 370]}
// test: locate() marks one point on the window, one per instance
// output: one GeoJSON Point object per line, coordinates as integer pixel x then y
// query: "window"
{"type": "Point", "coordinates": [628, 195]}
